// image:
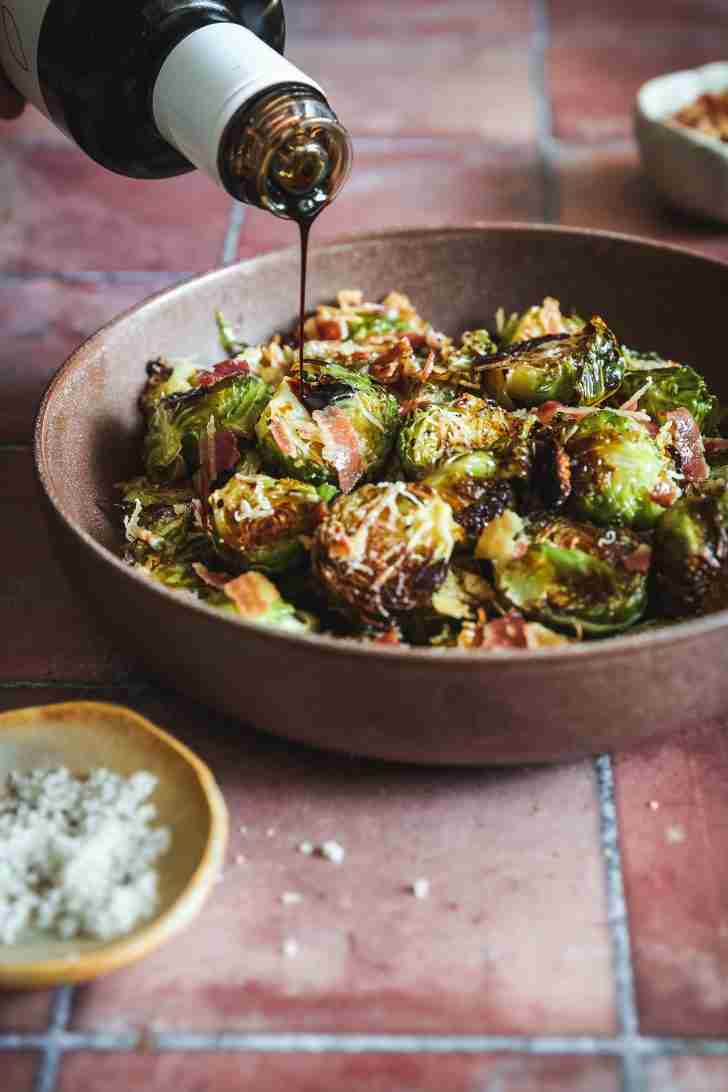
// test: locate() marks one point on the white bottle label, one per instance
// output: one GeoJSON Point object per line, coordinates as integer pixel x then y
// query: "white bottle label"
{"type": "Point", "coordinates": [20, 23]}
{"type": "Point", "coordinates": [205, 79]}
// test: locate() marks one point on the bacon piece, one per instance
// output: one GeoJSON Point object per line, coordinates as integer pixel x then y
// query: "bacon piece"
{"type": "Point", "coordinates": [341, 445]}
{"type": "Point", "coordinates": [633, 402]}
{"type": "Point", "coordinates": [281, 436]}
{"type": "Point", "coordinates": [221, 371]}
{"type": "Point", "coordinates": [639, 560]}
{"type": "Point", "coordinates": [218, 450]}
{"type": "Point", "coordinates": [688, 444]}
{"type": "Point", "coordinates": [391, 636]}
{"type": "Point", "coordinates": [547, 411]}
{"type": "Point", "coordinates": [332, 329]}
{"type": "Point", "coordinates": [252, 593]}
{"type": "Point", "coordinates": [213, 580]}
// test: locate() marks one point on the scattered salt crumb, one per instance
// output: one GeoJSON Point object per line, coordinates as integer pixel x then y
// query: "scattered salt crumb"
{"type": "Point", "coordinates": [654, 805]}
{"type": "Point", "coordinates": [240, 859]}
{"type": "Point", "coordinates": [291, 898]}
{"type": "Point", "coordinates": [270, 832]}
{"type": "Point", "coordinates": [306, 848]}
{"type": "Point", "coordinates": [675, 834]}
{"type": "Point", "coordinates": [290, 948]}
{"type": "Point", "coordinates": [243, 830]}
{"type": "Point", "coordinates": [332, 851]}
{"type": "Point", "coordinates": [420, 888]}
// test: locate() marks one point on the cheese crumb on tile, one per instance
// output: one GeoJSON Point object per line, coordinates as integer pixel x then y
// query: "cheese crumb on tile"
{"type": "Point", "coordinates": [332, 851]}
{"type": "Point", "coordinates": [291, 898]}
{"type": "Point", "coordinates": [290, 948]}
{"type": "Point", "coordinates": [420, 888]}
{"type": "Point", "coordinates": [243, 830]}
{"type": "Point", "coordinates": [78, 854]}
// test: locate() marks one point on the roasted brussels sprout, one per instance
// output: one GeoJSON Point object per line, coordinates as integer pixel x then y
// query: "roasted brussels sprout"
{"type": "Point", "coordinates": [437, 432]}
{"type": "Point", "coordinates": [258, 522]}
{"type": "Point", "coordinates": [512, 631]}
{"type": "Point", "coordinates": [339, 430]}
{"type": "Point", "coordinates": [161, 523]}
{"type": "Point", "coordinates": [203, 426]}
{"type": "Point", "coordinates": [691, 553]}
{"type": "Point", "coordinates": [577, 577]}
{"type": "Point", "coordinates": [470, 484]}
{"type": "Point", "coordinates": [255, 598]}
{"type": "Point", "coordinates": [537, 321]}
{"type": "Point", "coordinates": [620, 476]}
{"type": "Point", "coordinates": [384, 548]}
{"type": "Point", "coordinates": [667, 387]}
{"type": "Point", "coordinates": [165, 377]}
{"type": "Point", "coordinates": [582, 368]}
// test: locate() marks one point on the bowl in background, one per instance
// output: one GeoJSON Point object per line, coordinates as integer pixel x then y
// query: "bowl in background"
{"type": "Point", "coordinates": [410, 704]}
{"type": "Point", "coordinates": [688, 168]}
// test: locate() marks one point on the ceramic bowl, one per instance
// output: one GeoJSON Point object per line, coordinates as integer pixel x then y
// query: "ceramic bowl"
{"type": "Point", "coordinates": [411, 704]}
{"type": "Point", "coordinates": [83, 736]}
{"type": "Point", "coordinates": [688, 168]}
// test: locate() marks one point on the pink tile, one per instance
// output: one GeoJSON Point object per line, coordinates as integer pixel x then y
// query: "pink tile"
{"type": "Point", "coordinates": [607, 189]}
{"type": "Point", "coordinates": [23, 1010]}
{"type": "Point", "coordinates": [42, 321]}
{"type": "Point", "coordinates": [59, 211]}
{"type": "Point", "coordinates": [49, 633]}
{"type": "Point", "coordinates": [446, 81]}
{"type": "Point", "coordinates": [688, 1075]}
{"type": "Point", "coordinates": [406, 18]}
{"type": "Point", "coordinates": [415, 182]}
{"type": "Point", "coordinates": [18, 1071]}
{"type": "Point", "coordinates": [512, 938]}
{"type": "Point", "coordinates": [335, 1073]}
{"type": "Point", "coordinates": [596, 66]}
{"type": "Point", "coordinates": [674, 828]}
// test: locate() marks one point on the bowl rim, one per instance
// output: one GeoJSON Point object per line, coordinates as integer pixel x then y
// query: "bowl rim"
{"type": "Point", "coordinates": [683, 132]}
{"type": "Point", "coordinates": [129, 948]}
{"type": "Point", "coordinates": [474, 659]}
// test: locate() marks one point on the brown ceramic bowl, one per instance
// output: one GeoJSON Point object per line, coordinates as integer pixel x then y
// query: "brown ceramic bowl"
{"type": "Point", "coordinates": [420, 705]}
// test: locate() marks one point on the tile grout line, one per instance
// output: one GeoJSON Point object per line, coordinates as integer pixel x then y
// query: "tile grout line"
{"type": "Point", "coordinates": [547, 146]}
{"type": "Point", "coordinates": [63, 1040]}
{"type": "Point", "coordinates": [45, 1078]}
{"type": "Point", "coordinates": [232, 235]}
{"type": "Point", "coordinates": [633, 1079]}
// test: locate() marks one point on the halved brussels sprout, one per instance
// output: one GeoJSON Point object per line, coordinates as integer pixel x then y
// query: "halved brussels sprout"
{"type": "Point", "coordinates": [161, 524]}
{"type": "Point", "coordinates": [339, 430]}
{"type": "Point", "coordinates": [257, 521]}
{"type": "Point", "coordinates": [538, 321]}
{"type": "Point", "coordinates": [691, 553]}
{"type": "Point", "coordinates": [470, 484]}
{"type": "Point", "coordinates": [578, 577]}
{"type": "Point", "coordinates": [384, 548]}
{"type": "Point", "coordinates": [437, 432]}
{"type": "Point", "coordinates": [165, 377]}
{"type": "Point", "coordinates": [670, 388]}
{"type": "Point", "coordinates": [214, 417]}
{"type": "Point", "coordinates": [620, 476]}
{"type": "Point", "coordinates": [582, 368]}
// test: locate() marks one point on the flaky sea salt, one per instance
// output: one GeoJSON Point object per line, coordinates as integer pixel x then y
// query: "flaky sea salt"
{"type": "Point", "coordinates": [77, 855]}
{"type": "Point", "coordinates": [420, 888]}
{"type": "Point", "coordinates": [332, 851]}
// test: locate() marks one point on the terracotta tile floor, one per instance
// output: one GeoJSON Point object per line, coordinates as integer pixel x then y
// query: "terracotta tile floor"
{"type": "Point", "coordinates": [574, 938]}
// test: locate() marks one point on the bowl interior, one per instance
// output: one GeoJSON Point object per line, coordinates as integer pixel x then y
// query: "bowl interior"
{"type": "Point", "coordinates": [83, 736]}
{"type": "Point", "coordinates": [88, 430]}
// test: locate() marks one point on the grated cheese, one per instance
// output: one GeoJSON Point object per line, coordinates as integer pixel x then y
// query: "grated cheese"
{"type": "Point", "coordinates": [78, 854]}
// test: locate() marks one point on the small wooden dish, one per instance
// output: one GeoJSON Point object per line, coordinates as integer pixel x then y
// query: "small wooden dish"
{"type": "Point", "coordinates": [85, 735]}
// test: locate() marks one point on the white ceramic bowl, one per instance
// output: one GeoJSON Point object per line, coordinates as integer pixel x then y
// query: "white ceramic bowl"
{"type": "Point", "coordinates": [689, 169]}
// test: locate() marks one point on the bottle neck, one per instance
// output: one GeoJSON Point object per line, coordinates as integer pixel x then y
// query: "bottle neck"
{"type": "Point", "coordinates": [206, 80]}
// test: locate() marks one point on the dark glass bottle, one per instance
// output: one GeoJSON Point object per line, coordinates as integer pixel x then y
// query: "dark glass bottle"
{"type": "Point", "coordinates": [153, 88]}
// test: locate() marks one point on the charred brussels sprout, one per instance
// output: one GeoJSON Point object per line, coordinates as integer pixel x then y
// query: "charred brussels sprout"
{"type": "Point", "coordinates": [213, 418]}
{"type": "Point", "coordinates": [537, 321]}
{"type": "Point", "coordinates": [620, 476]}
{"type": "Point", "coordinates": [384, 549]}
{"type": "Point", "coordinates": [668, 389]}
{"type": "Point", "coordinates": [582, 368]}
{"type": "Point", "coordinates": [340, 430]}
{"type": "Point", "coordinates": [257, 521]}
{"type": "Point", "coordinates": [165, 377]}
{"type": "Point", "coordinates": [437, 432]}
{"type": "Point", "coordinates": [161, 524]}
{"type": "Point", "coordinates": [691, 553]}
{"type": "Point", "coordinates": [470, 485]}
{"type": "Point", "coordinates": [577, 577]}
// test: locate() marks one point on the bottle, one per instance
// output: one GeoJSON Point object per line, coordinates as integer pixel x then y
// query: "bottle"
{"type": "Point", "coordinates": [153, 88]}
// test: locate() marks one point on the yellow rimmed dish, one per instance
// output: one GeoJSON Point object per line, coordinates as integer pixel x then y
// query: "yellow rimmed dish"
{"type": "Point", "coordinates": [84, 735]}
